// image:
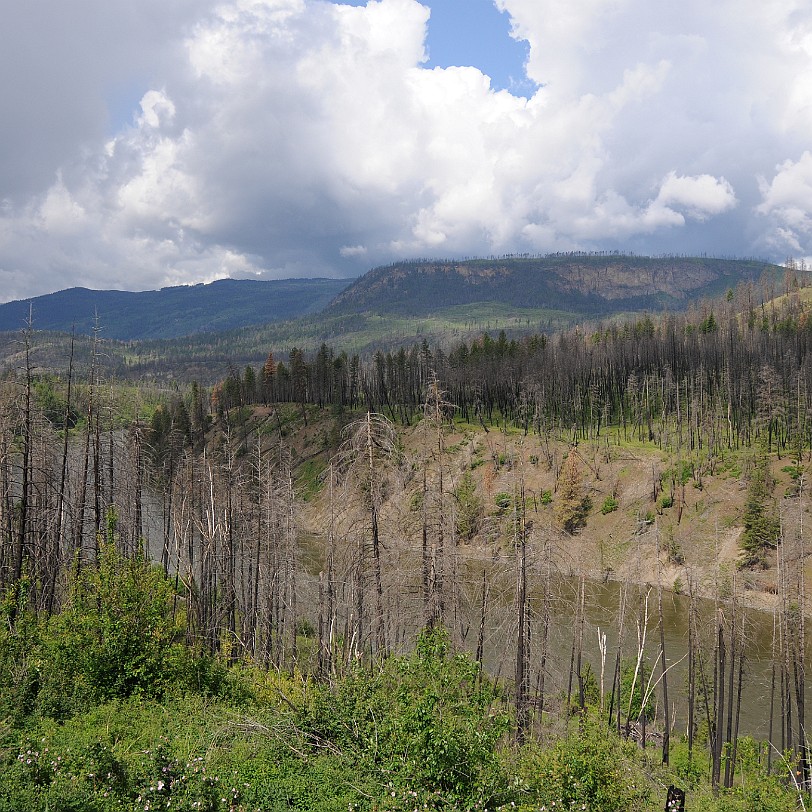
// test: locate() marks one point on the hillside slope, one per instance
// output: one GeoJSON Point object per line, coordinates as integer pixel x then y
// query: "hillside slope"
{"type": "Point", "coordinates": [641, 526]}
{"type": "Point", "coordinates": [586, 284]}
{"type": "Point", "coordinates": [175, 311]}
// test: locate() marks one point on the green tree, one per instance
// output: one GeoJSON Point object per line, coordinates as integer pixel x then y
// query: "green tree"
{"type": "Point", "coordinates": [469, 507]}
{"type": "Point", "coordinates": [112, 639]}
{"type": "Point", "coordinates": [761, 526]}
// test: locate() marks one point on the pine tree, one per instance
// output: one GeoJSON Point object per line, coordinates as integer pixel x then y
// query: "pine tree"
{"type": "Point", "coordinates": [761, 526]}
{"type": "Point", "coordinates": [573, 503]}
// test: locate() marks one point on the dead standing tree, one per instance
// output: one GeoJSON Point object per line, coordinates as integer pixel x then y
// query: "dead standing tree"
{"type": "Point", "coordinates": [435, 411]}
{"type": "Point", "coordinates": [367, 459]}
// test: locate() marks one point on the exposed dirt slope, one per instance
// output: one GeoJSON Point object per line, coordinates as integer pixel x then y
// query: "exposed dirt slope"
{"type": "Point", "coordinates": [678, 518]}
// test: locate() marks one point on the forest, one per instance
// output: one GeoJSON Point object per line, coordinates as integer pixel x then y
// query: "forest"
{"type": "Point", "coordinates": [335, 581]}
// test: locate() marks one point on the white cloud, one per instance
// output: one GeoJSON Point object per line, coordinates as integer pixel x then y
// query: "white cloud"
{"type": "Point", "coordinates": [59, 214]}
{"type": "Point", "coordinates": [700, 197]}
{"type": "Point", "coordinates": [787, 205]}
{"type": "Point", "coordinates": [156, 109]}
{"type": "Point", "coordinates": [352, 250]}
{"type": "Point", "coordinates": [301, 137]}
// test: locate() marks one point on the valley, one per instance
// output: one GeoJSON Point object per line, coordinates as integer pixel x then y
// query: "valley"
{"type": "Point", "coordinates": [590, 532]}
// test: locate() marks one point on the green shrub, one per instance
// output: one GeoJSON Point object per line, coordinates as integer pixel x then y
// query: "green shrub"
{"type": "Point", "coordinates": [115, 637]}
{"type": "Point", "coordinates": [610, 505]}
{"type": "Point", "coordinates": [589, 769]}
{"type": "Point", "coordinates": [131, 755]}
{"type": "Point", "coordinates": [628, 681]}
{"type": "Point", "coordinates": [422, 723]}
{"type": "Point", "coordinates": [469, 508]}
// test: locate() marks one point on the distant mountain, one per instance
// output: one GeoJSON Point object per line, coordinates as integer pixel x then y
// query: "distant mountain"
{"type": "Point", "coordinates": [587, 284]}
{"type": "Point", "coordinates": [173, 312]}
{"type": "Point", "coordinates": [199, 333]}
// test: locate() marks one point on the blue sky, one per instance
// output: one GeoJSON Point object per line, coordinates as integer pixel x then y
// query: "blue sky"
{"type": "Point", "coordinates": [475, 33]}
{"type": "Point", "coordinates": [164, 142]}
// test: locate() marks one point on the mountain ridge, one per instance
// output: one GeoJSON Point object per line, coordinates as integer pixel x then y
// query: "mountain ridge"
{"type": "Point", "coordinates": [172, 312]}
{"type": "Point", "coordinates": [556, 290]}
{"type": "Point", "coordinates": [589, 284]}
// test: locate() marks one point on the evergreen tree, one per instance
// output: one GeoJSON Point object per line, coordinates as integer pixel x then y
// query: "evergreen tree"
{"type": "Point", "coordinates": [761, 526]}
{"type": "Point", "coordinates": [573, 503]}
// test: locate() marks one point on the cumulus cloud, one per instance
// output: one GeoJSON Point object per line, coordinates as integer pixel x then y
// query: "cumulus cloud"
{"type": "Point", "coordinates": [700, 197]}
{"type": "Point", "coordinates": [305, 137]}
{"type": "Point", "coordinates": [787, 205]}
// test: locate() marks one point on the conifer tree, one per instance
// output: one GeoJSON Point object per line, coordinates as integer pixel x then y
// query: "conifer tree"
{"type": "Point", "coordinates": [572, 503]}
{"type": "Point", "coordinates": [761, 526]}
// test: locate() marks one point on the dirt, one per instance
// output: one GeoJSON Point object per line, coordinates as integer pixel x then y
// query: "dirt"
{"type": "Point", "coordinates": [680, 532]}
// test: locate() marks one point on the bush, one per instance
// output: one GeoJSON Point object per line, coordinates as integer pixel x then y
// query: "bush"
{"type": "Point", "coordinates": [114, 638]}
{"type": "Point", "coordinates": [590, 769]}
{"type": "Point", "coordinates": [131, 755]}
{"type": "Point", "coordinates": [427, 722]}
{"type": "Point", "coordinates": [610, 505]}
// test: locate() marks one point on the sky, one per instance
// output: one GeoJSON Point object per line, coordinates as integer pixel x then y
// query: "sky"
{"type": "Point", "coordinates": [147, 143]}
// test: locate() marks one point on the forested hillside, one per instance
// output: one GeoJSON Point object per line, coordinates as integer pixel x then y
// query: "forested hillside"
{"type": "Point", "coordinates": [171, 312]}
{"type": "Point", "coordinates": [587, 284]}
{"type": "Point", "coordinates": [199, 333]}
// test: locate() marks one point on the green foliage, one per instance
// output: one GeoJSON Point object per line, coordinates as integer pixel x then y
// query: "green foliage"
{"type": "Point", "coordinates": [587, 769]}
{"type": "Point", "coordinates": [169, 432]}
{"type": "Point", "coordinates": [708, 324]}
{"type": "Point", "coordinates": [503, 500]}
{"type": "Point", "coordinates": [690, 770]}
{"type": "Point", "coordinates": [546, 497]}
{"type": "Point", "coordinates": [794, 471]}
{"type": "Point", "coordinates": [469, 507]}
{"type": "Point", "coordinates": [680, 474]}
{"type": "Point", "coordinates": [634, 689]}
{"type": "Point", "coordinates": [20, 636]}
{"type": "Point", "coordinates": [761, 526]}
{"type": "Point", "coordinates": [423, 722]}
{"type": "Point", "coordinates": [666, 501]}
{"type": "Point", "coordinates": [416, 502]}
{"type": "Point", "coordinates": [672, 548]}
{"type": "Point", "coordinates": [131, 755]}
{"type": "Point", "coordinates": [48, 397]}
{"type": "Point", "coordinates": [610, 505]}
{"type": "Point", "coordinates": [422, 731]}
{"type": "Point", "coordinates": [309, 478]}
{"type": "Point", "coordinates": [114, 638]}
